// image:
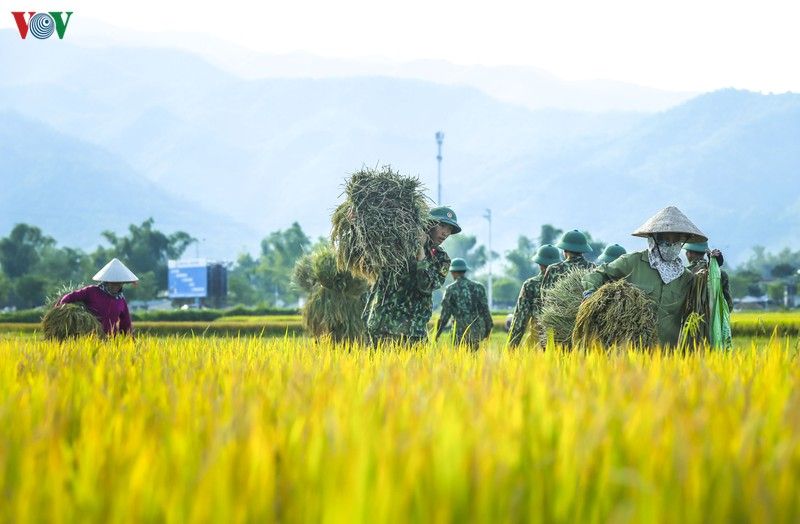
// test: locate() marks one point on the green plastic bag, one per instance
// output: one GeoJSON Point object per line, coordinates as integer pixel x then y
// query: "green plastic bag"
{"type": "Point", "coordinates": [720, 327]}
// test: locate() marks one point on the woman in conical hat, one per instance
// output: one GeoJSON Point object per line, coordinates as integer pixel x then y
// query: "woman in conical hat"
{"type": "Point", "coordinates": [105, 300]}
{"type": "Point", "coordinates": [657, 270]}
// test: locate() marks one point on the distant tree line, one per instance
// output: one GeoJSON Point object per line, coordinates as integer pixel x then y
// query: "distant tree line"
{"type": "Point", "coordinates": [34, 266]}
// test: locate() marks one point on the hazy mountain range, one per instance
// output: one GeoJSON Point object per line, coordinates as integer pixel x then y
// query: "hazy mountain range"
{"type": "Point", "coordinates": [145, 131]}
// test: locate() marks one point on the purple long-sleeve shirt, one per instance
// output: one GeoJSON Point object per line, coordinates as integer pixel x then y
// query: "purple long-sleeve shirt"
{"type": "Point", "coordinates": [112, 312]}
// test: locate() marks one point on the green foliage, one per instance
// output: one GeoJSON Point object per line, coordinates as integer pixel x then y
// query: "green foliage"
{"type": "Point", "coordinates": [272, 274]}
{"type": "Point", "coordinates": [597, 247]}
{"type": "Point", "coordinates": [22, 249]}
{"type": "Point", "coordinates": [505, 291]}
{"type": "Point", "coordinates": [549, 234]}
{"type": "Point", "coordinates": [144, 250]}
{"type": "Point", "coordinates": [466, 247]}
{"type": "Point", "coordinates": [775, 292]}
{"type": "Point", "coordinates": [520, 267]}
{"type": "Point", "coordinates": [242, 281]}
{"type": "Point", "coordinates": [30, 291]}
{"type": "Point", "coordinates": [147, 288]}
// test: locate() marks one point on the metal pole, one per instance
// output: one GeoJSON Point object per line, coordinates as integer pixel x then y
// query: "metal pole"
{"type": "Point", "coordinates": [439, 140]}
{"type": "Point", "coordinates": [488, 216]}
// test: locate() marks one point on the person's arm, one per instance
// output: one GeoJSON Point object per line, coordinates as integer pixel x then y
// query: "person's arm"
{"type": "Point", "coordinates": [125, 320]}
{"type": "Point", "coordinates": [79, 295]}
{"type": "Point", "coordinates": [519, 322]}
{"type": "Point", "coordinates": [619, 268]}
{"type": "Point", "coordinates": [726, 289]}
{"type": "Point", "coordinates": [483, 305]}
{"type": "Point", "coordinates": [444, 318]}
{"type": "Point", "coordinates": [431, 272]}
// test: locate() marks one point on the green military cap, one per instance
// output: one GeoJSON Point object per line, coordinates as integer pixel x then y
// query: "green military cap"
{"type": "Point", "coordinates": [697, 247]}
{"type": "Point", "coordinates": [574, 241]}
{"type": "Point", "coordinates": [445, 215]}
{"type": "Point", "coordinates": [611, 253]}
{"type": "Point", "coordinates": [459, 264]}
{"type": "Point", "coordinates": [547, 255]}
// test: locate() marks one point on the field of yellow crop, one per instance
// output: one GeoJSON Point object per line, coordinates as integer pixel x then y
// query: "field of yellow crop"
{"type": "Point", "coordinates": [281, 429]}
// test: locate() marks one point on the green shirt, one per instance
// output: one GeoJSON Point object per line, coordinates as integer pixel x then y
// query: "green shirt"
{"type": "Point", "coordinates": [465, 301]}
{"type": "Point", "coordinates": [404, 307]}
{"type": "Point", "coordinates": [669, 298]}
{"type": "Point", "coordinates": [529, 304]}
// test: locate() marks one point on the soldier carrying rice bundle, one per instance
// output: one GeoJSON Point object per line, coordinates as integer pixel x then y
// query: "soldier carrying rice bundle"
{"type": "Point", "coordinates": [385, 232]}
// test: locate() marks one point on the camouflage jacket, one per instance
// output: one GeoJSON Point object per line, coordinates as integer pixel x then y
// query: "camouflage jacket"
{"type": "Point", "coordinates": [465, 301]}
{"type": "Point", "coordinates": [404, 306]}
{"type": "Point", "coordinates": [555, 271]}
{"type": "Point", "coordinates": [529, 304]}
{"type": "Point", "coordinates": [700, 265]}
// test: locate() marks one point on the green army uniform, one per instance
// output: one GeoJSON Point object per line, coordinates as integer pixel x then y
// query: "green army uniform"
{"type": "Point", "coordinates": [669, 298]}
{"type": "Point", "coordinates": [701, 265]}
{"type": "Point", "coordinates": [556, 271]}
{"type": "Point", "coordinates": [398, 310]}
{"type": "Point", "coordinates": [529, 302]}
{"type": "Point", "coordinates": [575, 242]}
{"type": "Point", "coordinates": [465, 301]}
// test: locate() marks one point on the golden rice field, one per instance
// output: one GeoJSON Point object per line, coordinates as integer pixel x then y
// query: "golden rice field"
{"type": "Point", "coordinates": [278, 429]}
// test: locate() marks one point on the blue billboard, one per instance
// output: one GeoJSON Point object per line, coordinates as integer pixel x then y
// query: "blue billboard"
{"type": "Point", "coordinates": [187, 279]}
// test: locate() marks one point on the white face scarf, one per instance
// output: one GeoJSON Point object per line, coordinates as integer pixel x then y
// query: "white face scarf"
{"type": "Point", "coordinates": [665, 258]}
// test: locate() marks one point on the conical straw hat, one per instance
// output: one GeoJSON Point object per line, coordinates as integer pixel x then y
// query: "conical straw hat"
{"type": "Point", "coordinates": [115, 271]}
{"type": "Point", "coordinates": [670, 220]}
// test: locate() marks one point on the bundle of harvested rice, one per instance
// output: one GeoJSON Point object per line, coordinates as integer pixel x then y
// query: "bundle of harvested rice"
{"type": "Point", "coordinates": [70, 321]}
{"type": "Point", "coordinates": [696, 310]}
{"type": "Point", "coordinates": [377, 229]}
{"type": "Point", "coordinates": [617, 313]}
{"type": "Point", "coordinates": [335, 299]}
{"type": "Point", "coordinates": [561, 303]}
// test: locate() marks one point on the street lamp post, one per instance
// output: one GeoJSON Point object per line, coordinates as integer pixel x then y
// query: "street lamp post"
{"type": "Point", "coordinates": [439, 140]}
{"type": "Point", "coordinates": [488, 216]}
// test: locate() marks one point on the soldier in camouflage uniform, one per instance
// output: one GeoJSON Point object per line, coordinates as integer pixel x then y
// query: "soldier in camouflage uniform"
{"type": "Point", "coordinates": [574, 244]}
{"type": "Point", "coordinates": [465, 301]}
{"type": "Point", "coordinates": [399, 310]}
{"type": "Point", "coordinates": [529, 303]}
{"type": "Point", "coordinates": [695, 253]}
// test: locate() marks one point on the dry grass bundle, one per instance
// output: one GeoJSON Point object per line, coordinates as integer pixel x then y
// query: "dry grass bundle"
{"type": "Point", "coordinates": [335, 297]}
{"type": "Point", "coordinates": [617, 313]}
{"type": "Point", "coordinates": [561, 303]}
{"type": "Point", "coordinates": [696, 310]}
{"type": "Point", "coordinates": [70, 321]}
{"type": "Point", "coordinates": [378, 227]}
